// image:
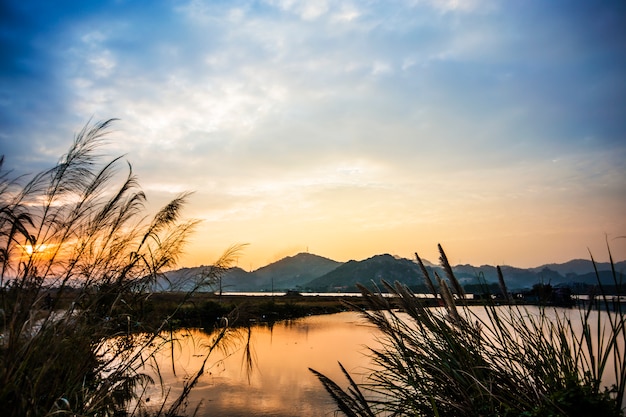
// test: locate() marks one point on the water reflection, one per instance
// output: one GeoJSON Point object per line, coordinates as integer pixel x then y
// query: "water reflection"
{"type": "Point", "coordinates": [280, 383]}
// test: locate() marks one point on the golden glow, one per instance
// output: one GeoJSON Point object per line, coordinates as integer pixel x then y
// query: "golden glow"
{"type": "Point", "coordinates": [41, 249]}
{"type": "Point", "coordinates": [504, 215]}
{"type": "Point", "coordinates": [279, 379]}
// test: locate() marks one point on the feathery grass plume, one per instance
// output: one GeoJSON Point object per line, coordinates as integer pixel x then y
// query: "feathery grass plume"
{"type": "Point", "coordinates": [77, 262]}
{"type": "Point", "coordinates": [450, 274]}
{"type": "Point", "coordinates": [508, 360]}
{"type": "Point", "coordinates": [448, 299]}
{"type": "Point", "coordinates": [427, 280]}
{"type": "Point", "coordinates": [503, 289]}
{"type": "Point", "coordinates": [353, 404]}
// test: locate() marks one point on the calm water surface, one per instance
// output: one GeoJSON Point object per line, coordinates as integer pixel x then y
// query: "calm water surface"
{"type": "Point", "coordinates": [279, 383]}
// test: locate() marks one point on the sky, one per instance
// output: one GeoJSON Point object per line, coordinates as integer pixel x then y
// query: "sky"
{"type": "Point", "coordinates": [342, 128]}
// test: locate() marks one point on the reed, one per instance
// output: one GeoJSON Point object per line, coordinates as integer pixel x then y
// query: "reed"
{"type": "Point", "coordinates": [488, 360]}
{"type": "Point", "coordinates": [78, 260]}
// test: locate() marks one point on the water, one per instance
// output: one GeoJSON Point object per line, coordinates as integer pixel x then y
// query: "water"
{"type": "Point", "coordinates": [279, 383]}
{"type": "Point", "coordinates": [318, 294]}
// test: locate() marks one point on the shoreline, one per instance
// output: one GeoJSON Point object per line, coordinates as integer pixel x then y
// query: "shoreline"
{"type": "Point", "coordinates": [208, 310]}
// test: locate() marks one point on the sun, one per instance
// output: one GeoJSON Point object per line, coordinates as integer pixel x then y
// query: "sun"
{"type": "Point", "coordinates": [37, 249]}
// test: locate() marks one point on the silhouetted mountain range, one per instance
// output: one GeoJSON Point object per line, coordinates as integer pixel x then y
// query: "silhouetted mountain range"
{"type": "Point", "coordinates": [288, 273]}
{"type": "Point", "coordinates": [371, 270]}
{"type": "Point", "coordinates": [308, 272]}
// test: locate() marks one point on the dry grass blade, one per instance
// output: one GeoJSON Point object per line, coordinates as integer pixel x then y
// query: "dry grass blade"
{"type": "Point", "coordinates": [427, 279]}
{"type": "Point", "coordinates": [448, 299]}
{"type": "Point", "coordinates": [503, 289]}
{"type": "Point", "coordinates": [351, 405]}
{"type": "Point", "coordinates": [450, 274]}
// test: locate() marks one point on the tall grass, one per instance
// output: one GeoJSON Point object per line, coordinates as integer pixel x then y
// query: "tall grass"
{"type": "Point", "coordinates": [487, 360]}
{"type": "Point", "coordinates": [78, 259]}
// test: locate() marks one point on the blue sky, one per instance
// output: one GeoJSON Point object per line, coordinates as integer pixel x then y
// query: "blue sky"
{"type": "Point", "coordinates": [348, 128]}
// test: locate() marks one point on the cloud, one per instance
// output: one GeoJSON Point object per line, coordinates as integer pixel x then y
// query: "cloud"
{"type": "Point", "coordinates": [305, 9]}
{"type": "Point", "coordinates": [330, 107]}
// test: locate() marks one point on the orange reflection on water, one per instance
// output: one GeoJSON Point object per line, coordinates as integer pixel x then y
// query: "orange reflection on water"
{"type": "Point", "coordinates": [279, 383]}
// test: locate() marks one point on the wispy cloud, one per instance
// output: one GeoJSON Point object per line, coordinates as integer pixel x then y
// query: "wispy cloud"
{"type": "Point", "coordinates": [351, 116]}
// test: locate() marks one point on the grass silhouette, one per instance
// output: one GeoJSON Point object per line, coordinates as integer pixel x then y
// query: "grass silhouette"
{"type": "Point", "coordinates": [78, 259]}
{"type": "Point", "coordinates": [488, 360]}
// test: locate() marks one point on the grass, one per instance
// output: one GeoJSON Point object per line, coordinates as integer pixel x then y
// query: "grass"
{"type": "Point", "coordinates": [78, 258]}
{"type": "Point", "coordinates": [511, 360]}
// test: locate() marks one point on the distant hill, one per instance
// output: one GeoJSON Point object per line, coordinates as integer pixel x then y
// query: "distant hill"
{"type": "Point", "coordinates": [286, 274]}
{"type": "Point", "coordinates": [574, 274]}
{"type": "Point", "coordinates": [293, 272]}
{"type": "Point", "coordinates": [374, 269]}
{"type": "Point", "coordinates": [185, 279]}
{"type": "Point", "coordinates": [236, 279]}
{"type": "Point", "coordinates": [308, 272]}
{"type": "Point", "coordinates": [514, 277]}
{"type": "Point", "coordinates": [233, 279]}
{"type": "Point", "coordinates": [568, 274]}
{"type": "Point", "coordinates": [580, 267]}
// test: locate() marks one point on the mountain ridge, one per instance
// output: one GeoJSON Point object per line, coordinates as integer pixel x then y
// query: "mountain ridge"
{"type": "Point", "coordinates": [309, 272]}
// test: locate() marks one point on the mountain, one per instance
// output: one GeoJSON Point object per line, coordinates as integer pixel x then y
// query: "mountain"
{"type": "Point", "coordinates": [286, 274]}
{"type": "Point", "coordinates": [293, 271]}
{"type": "Point", "coordinates": [573, 274]}
{"type": "Point", "coordinates": [306, 271]}
{"type": "Point", "coordinates": [515, 278]}
{"type": "Point", "coordinates": [236, 279]}
{"type": "Point", "coordinates": [184, 279]}
{"type": "Point", "coordinates": [374, 269]}
{"type": "Point", "coordinates": [580, 267]}
{"type": "Point", "coordinates": [406, 271]}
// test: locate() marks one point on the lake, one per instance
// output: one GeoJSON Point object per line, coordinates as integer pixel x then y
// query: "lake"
{"type": "Point", "coordinates": [279, 383]}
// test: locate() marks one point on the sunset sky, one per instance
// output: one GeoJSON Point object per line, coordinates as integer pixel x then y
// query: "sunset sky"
{"type": "Point", "coordinates": [345, 128]}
